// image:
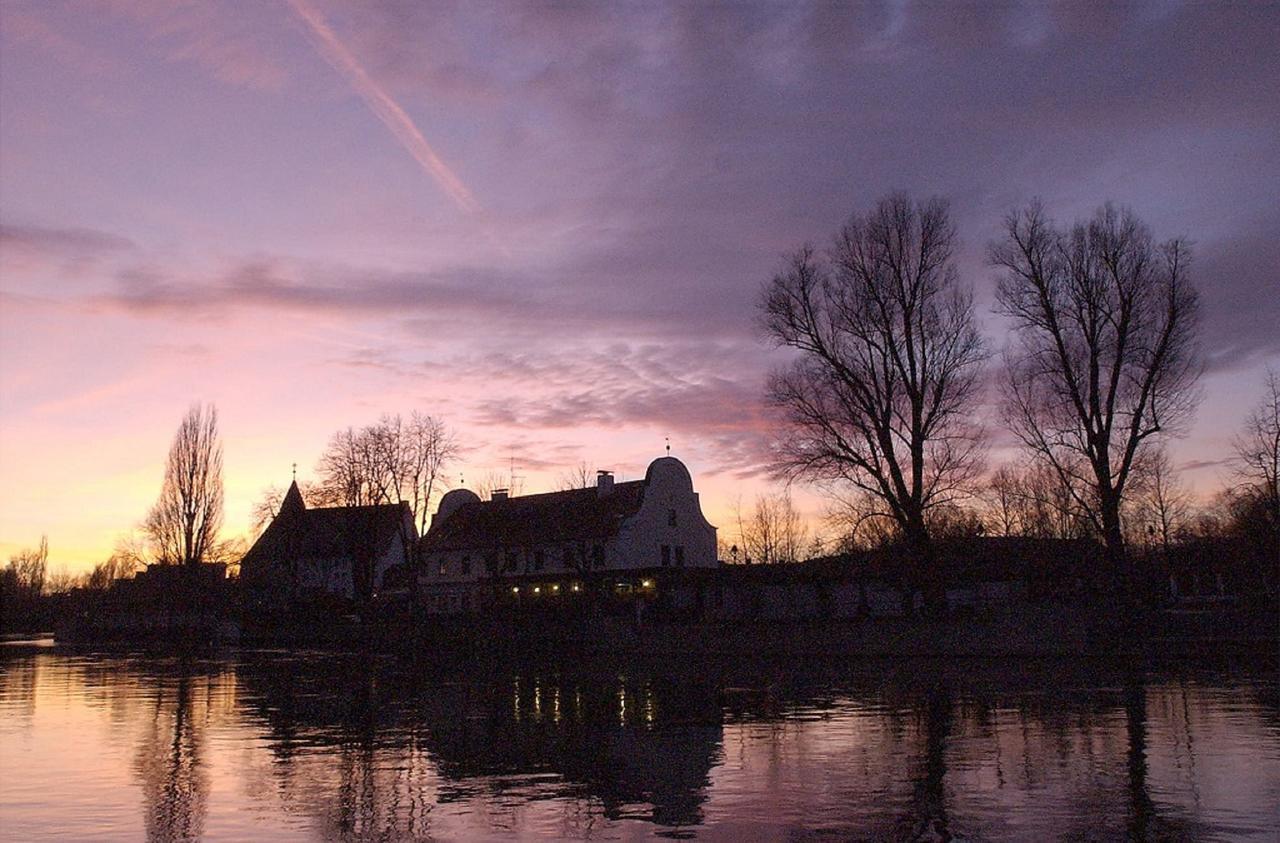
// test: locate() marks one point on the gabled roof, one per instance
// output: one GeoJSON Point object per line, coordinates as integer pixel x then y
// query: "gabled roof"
{"type": "Point", "coordinates": [575, 515]}
{"type": "Point", "coordinates": [327, 532]}
{"type": "Point", "coordinates": [292, 502]}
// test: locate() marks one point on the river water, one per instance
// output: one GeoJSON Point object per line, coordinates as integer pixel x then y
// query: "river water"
{"type": "Point", "coordinates": [314, 746]}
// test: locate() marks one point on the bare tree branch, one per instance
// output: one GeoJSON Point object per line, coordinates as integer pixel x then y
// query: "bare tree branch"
{"type": "Point", "coordinates": [183, 525]}
{"type": "Point", "coordinates": [879, 398]}
{"type": "Point", "coordinates": [1104, 358]}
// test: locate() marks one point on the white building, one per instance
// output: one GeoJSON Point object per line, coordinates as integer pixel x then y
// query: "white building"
{"type": "Point", "coordinates": [551, 543]}
{"type": "Point", "coordinates": [339, 550]}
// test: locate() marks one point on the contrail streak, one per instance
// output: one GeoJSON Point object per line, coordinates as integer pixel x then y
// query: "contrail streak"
{"type": "Point", "coordinates": [384, 107]}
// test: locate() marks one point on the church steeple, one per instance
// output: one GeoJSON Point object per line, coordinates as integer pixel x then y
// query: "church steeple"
{"type": "Point", "coordinates": [292, 503]}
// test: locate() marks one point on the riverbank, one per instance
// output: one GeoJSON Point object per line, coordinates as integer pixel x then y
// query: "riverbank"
{"type": "Point", "coordinates": [1029, 631]}
{"type": "Point", "coordinates": [1023, 629]}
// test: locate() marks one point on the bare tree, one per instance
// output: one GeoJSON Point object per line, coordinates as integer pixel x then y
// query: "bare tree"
{"type": "Point", "coordinates": [116, 567]}
{"type": "Point", "coordinates": [1000, 500]}
{"type": "Point", "coordinates": [183, 525]}
{"type": "Point", "coordinates": [581, 476]}
{"type": "Point", "coordinates": [1162, 501]}
{"type": "Point", "coordinates": [880, 396]}
{"type": "Point", "coordinates": [954, 521]}
{"type": "Point", "coordinates": [391, 461]}
{"type": "Point", "coordinates": [497, 481]}
{"type": "Point", "coordinates": [1257, 447]}
{"type": "Point", "coordinates": [774, 531]}
{"type": "Point", "coordinates": [344, 467]}
{"type": "Point", "coordinates": [1029, 499]}
{"type": "Point", "coordinates": [1104, 357]}
{"type": "Point", "coordinates": [29, 569]}
{"type": "Point", "coordinates": [61, 581]}
{"type": "Point", "coordinates": [428, 447]}
{"type": "Point", "coordinates": [860, 519]}
{"type": "Point", "coordinates": [793, 534]}
{"type": "Point", "coordinates": [134, 547]}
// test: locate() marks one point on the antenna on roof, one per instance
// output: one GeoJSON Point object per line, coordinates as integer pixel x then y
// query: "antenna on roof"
{"type": "Point", "coordinates": [514, 476]}
{"type": "Point", "coordinates": [295, 472]}
{"type": "Point", "coordinates": [668, 438]}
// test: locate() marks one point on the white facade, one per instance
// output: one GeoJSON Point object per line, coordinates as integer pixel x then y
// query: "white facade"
{"type": "Point", "coordinates": [669, 530]}
{"type": "Point", "coordinates": [653, 523]}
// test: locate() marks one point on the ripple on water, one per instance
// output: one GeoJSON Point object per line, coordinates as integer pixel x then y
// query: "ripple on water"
{"type": "Point", "coordinates": [317, 746]}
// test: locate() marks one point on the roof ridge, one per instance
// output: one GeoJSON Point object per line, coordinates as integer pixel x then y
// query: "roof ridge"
{"type": "Point", "coordinates": [510, 498]}
{"type": "Point", "coordinates": [396, 505]}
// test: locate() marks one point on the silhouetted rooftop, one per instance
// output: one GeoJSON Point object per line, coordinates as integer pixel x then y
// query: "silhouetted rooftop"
{"type": "Point", "coordinates": [577, 514]}
{"type": "Point", "coordinates": [326, 532]}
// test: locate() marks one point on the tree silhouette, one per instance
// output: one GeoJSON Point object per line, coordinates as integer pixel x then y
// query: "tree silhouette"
{"type": "Point", "coordinates": [1163, 502]}
{"type": "Point", "coordinates": [1104, 356]}
{"type": "Point", "coordinates": [881, 393]}
{"type": "Point", "coordinates": [391, 461]}
{"type": "Point", "coordinates": [1257, 449]}
{"type": "Point", "coordinates": [183, 525]}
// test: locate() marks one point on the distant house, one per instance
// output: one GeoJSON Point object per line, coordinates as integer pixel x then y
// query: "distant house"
{"type": "Point", "coordinates": [340, 550]}
{"type": "Point", "coordinates": [550, 541]}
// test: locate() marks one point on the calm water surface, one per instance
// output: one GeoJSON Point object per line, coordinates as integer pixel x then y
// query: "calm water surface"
{"type": "Point", "coordinates": [273, 746]}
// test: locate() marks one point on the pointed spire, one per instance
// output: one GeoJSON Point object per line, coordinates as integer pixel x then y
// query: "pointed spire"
{"type": "Point", "coordinates": [293, 503]}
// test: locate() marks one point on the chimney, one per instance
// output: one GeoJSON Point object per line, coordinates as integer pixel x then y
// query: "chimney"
{"type": "Point", "coordinates": [498, 495]}
{"type": "Point", "coordinates": [604, 483]}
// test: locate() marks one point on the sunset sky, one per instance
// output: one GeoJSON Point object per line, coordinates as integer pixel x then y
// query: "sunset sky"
{"type": "Point", "coordinates": [547, 224]}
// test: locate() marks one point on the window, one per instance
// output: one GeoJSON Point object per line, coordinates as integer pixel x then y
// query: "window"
{"type": "Point", "coordinates": [679, 556]}
{"type": "Point", "coordinates": [442, 568]}
{"type": "Point", "coordinates": [512, 560]}
{"type": "Point", "coordinates": [671, 517]}
{"type": "Point", "coordinates": [491, 563]}
{"type": "Point", "coordinates": [597, 556]}
{"type": "Point", "coordinates": [466, 565]}
{"type": "Point", "coordinates": [666, 555]}
{"type": "Point", "coordinates": [539, 560]}
{"type": "Point", "coordinates": [566, 558]}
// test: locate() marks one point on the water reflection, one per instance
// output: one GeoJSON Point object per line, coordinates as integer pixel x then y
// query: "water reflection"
{"type": "Point", "coordinates": [927, 819]}
{"type": "Point", "coordinates": [609, 746]}
{"type": "Point", "coordinates": [175, 783]}
{"type": "Point", "coordinates": [319, 746]}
